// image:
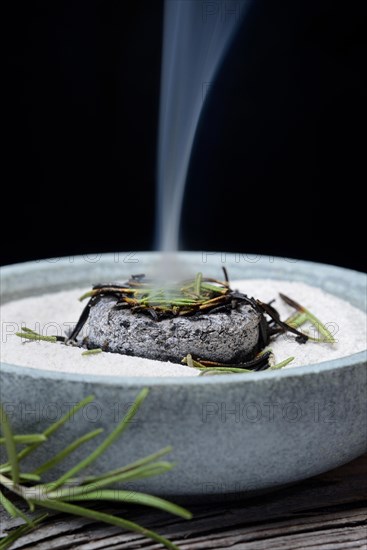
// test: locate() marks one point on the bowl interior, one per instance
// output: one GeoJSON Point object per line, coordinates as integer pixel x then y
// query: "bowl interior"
{"type": "Point", "coordinates": [51, 275]}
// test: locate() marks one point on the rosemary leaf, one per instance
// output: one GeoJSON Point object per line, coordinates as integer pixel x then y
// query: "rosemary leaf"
{"type": "Point", "coordinates": [67, 451]}
{"type": "Point", "coordinates": [87, 295]}
{"type": "Point", "coordinates": [24, 476]}
{"type": "Point", "coordinates": [328, 337]}
{"type": "Point", "coordinates": [190, 362]}
{"type": "Point", "coordinates": [26, 329]}
{"type": "Point", "coordinates": [106, 518]}
{"type": "Point", "coordinates": [212, 372]}
{"type": "Point", "coordinates": [197, 284]}
{"type": "Point", "coordinates": [9, 540]}
{"type": "Point", "coordinates": [29, 477]}
{"type": "Point", "coordinates": [151, 470]}
{"type": "Point", "coordinates": [135, 498]}
{"type": "Point", "coordinates": [92, 351]}
{"type": "Point", "coordinates": [13, 510]}
{"type": "Point", "coordinates": [172, 302]}
{"type": "Point", "coordinates": [9, 445]}
{"type": "Point", "coordinates": [224, 370]}
{"type": "Point", "coordinates": [297, 319]}
{"type": "Point", "coordinates": [26, 439]}
{"type": "Point", "coordinates": [282, 363]}
{"type": "Point", "coordinates": [35, 336]}
{"type": "Point", "coordinates": [56, 425]}
{"type": "Point", "coordinates": [16, 488]}
{"type": "Point", "coordinates": [213, 288]}
{"type": "Point", "coordinates": [131, 466]}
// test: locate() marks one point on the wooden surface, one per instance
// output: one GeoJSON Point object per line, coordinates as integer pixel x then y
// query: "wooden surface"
{"type": "Point", "coordinates": [327, 512]}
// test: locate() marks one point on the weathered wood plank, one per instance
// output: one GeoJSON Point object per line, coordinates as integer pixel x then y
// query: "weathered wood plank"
{"type": "Point", "coordinates": [328, 512]}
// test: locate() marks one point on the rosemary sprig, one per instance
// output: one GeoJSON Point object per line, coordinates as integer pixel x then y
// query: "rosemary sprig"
{"type": "Point", "coordinates": [65, 492]}
{"type": "Point", "coordinates": [35, 336]}
{"type": "Point", "coordinates": [306, 315]}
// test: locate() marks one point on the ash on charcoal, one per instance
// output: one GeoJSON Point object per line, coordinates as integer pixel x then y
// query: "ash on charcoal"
{"type": "Point", "coordinates": [226, 337]}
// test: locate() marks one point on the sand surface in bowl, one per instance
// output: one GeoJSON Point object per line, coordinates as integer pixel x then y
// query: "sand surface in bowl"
{"type": "Point", "coordinates": [55, 313]}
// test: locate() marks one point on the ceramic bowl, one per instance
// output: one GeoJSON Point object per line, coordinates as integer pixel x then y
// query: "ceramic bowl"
{"type": "Point", "coordinates": [235, 433]}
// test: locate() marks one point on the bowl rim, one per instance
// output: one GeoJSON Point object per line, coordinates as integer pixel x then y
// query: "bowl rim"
{"type": "Point", "coordinates": [140, 381]}
{"type": "Point", "coordinates": [143, 381]}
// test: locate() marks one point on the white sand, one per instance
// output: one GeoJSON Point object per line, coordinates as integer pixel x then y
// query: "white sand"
{"type": "Point", "coordinates": [54, 313]}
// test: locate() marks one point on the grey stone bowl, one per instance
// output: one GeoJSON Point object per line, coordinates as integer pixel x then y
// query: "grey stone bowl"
{"type": "Point", "coordinates": [235, 433]}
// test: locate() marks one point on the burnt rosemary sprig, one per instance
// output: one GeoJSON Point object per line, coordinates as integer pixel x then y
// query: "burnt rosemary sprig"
{"type": "Point", "coordinates": [190, 362]}
{"type": "Point", "coordinates": [190, 294]}
{"type": "Point", "coordinates": [67, 492]}
{"type": "Point", "coordinates": [200, 295]}
{"type": "Point", "coordinates": [141, 295]}
{"type": "Point", "coordinates": [261, 362]}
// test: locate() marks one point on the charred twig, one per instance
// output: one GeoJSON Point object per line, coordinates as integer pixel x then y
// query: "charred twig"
{"type": "Point", "coordinates": [261, 362]}
{"type": "Point", "coordinates": [269, 310]}
{"type": "Point", "coordinates": [82, 320]}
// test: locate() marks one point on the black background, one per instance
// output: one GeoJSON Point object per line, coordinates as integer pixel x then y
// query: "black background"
{"type": "Point", "coordinates": [278, 157]}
